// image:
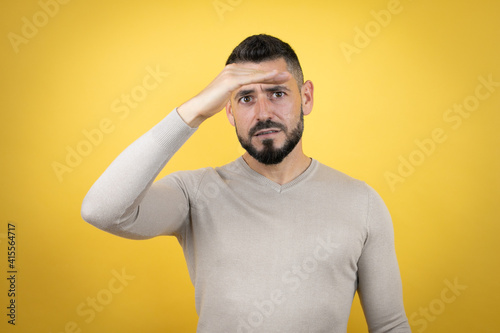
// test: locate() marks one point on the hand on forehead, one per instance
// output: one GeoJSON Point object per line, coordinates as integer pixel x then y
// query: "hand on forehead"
{"type": "Point", "coordinates": [278, 76]}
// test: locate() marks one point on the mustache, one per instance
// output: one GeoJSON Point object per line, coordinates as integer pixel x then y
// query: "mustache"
{"type": "Point", "coordinates": [265, 124]}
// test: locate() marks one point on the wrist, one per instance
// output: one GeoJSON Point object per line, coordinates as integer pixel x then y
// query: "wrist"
{"type": "Point", "coordinates": [190, 116]}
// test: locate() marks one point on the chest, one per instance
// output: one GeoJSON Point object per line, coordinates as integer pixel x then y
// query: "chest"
{"type": "Point", "coordinates": [277, 233]}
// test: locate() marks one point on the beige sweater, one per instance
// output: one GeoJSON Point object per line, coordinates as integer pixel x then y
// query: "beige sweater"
{"type": "Point", "coordinates": [263, 257]}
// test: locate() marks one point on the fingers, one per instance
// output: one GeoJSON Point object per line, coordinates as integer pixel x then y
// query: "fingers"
{"type": "Point", "coordinates": [272, 77]}
{"type": "Point", "coordinates": [247, 75]}
{"type": "Point", "coordinates": [280, 77]}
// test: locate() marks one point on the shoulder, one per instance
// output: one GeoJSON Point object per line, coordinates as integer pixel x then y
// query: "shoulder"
{"type": "Point", "coordinates": [364, 198]}
{"type": "Point", "coordinates": [333, 177]}
{"type": "Point", "coordinates": [345, 187]}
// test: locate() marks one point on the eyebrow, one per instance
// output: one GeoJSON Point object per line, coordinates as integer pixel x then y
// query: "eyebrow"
{"type": "Point", "coordinates": [245, 92]}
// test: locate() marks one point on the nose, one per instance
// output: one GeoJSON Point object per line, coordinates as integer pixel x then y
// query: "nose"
{"type": "Point", "coordinates": [263, 109]}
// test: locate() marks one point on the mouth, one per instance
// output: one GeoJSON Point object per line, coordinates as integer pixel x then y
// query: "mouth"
{"type": "Point", "coordinates": [267, 132]}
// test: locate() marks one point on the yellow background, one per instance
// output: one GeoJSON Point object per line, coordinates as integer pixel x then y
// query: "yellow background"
{"type": "Point", "coordinates": [367, 115]}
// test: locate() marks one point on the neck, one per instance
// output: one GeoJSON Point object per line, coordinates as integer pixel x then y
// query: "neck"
{"type": "Point", "coordinates": [290, 168]}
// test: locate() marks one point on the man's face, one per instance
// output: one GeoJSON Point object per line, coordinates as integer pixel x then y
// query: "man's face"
{"type": "Point", "coordinates": [268, 118]}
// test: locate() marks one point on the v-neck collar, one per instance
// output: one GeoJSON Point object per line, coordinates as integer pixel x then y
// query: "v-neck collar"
{"type": "Point", "coordinates": [263, 180]}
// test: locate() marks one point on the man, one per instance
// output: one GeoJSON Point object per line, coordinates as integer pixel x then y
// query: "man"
{"type": "Point", "coordinates": [274, 241]}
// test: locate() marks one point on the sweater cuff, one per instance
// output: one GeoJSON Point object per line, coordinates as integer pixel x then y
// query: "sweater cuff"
{"type": "Point", "coordinates": [172, 132]}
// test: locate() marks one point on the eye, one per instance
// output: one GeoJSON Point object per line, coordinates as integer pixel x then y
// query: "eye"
{"type": "Point", "coordinates": [246, 99]}
{"type": "Point", "coordinates": [279, 94]}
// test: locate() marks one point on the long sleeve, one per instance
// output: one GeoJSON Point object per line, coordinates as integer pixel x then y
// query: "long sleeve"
{"type": "Point", "coordinates": [124, 201]}
{"type": "Point", "coordinates": [379, 280]}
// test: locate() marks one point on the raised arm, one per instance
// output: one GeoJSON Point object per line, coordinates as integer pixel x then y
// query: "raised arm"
{"type": "Point", "coordinates": [124, 201]}
{"type": "Point", "coordinates": [112, 203]}
{"type": "Point", "coordinates": [379, 280]}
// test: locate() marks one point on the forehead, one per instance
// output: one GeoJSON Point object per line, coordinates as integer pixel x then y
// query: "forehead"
{"type": "Point", "coordinates": [277, 64]}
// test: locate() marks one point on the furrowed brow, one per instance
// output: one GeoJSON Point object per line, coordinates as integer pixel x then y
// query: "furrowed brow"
{"type": "Point", "coordinates": [242, 93]}
{"type": "Point", "coordinates": [276, 88]}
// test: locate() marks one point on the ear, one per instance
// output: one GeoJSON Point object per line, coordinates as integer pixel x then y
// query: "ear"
{"type": "Point", "coordinates": [229, 112]}
{"type": "Point", "coordinates": [307, 95]}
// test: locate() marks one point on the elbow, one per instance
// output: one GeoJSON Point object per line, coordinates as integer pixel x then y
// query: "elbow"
{"type": "Point", "coordinates": [95, 214]}
{"type": "Point", "coordinates": [90, 213]}
{"type": "Point", "coordinates": [103, 216]}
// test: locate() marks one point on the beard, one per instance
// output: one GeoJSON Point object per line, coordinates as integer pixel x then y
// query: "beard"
{"type": "Point", "coordinates": [270, 154]}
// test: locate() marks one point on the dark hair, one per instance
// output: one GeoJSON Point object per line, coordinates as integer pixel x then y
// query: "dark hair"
{"type": "Point", "coordinates": [258, 48]}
